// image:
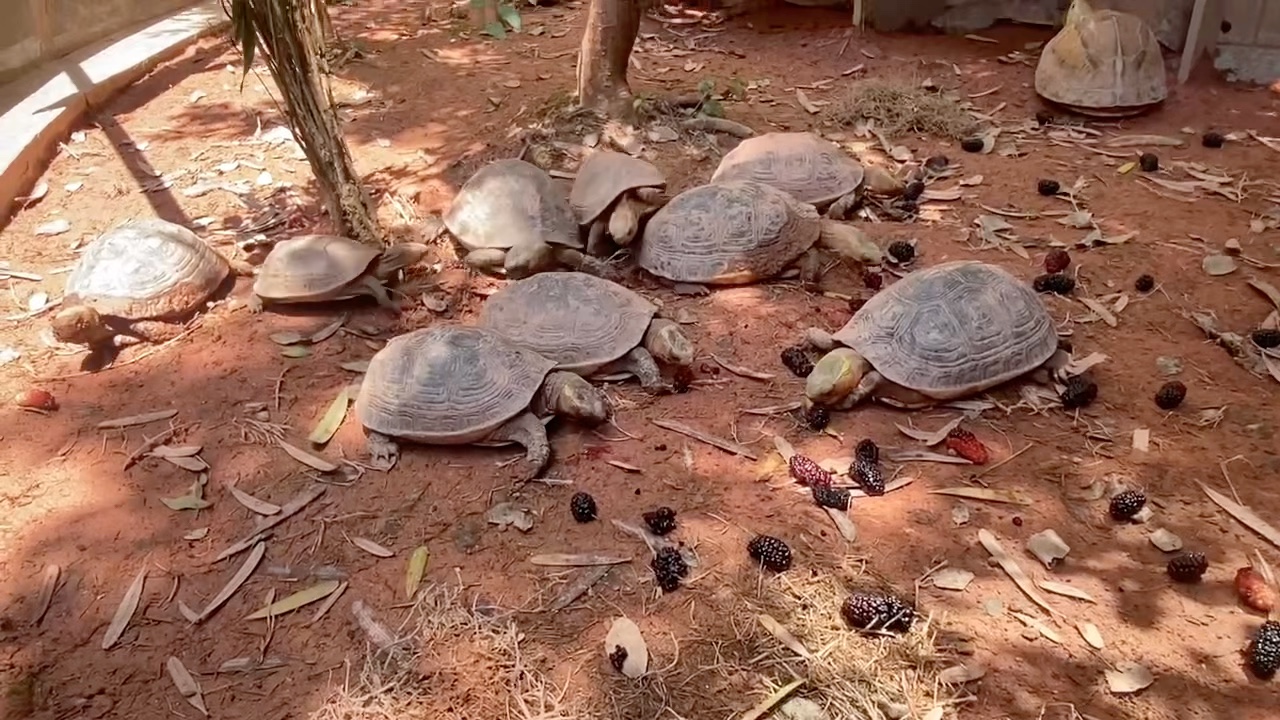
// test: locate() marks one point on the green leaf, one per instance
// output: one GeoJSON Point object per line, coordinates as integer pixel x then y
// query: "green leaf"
{"type": "Point", "coordinates": [332, 419]}
{"type": "Point", "coordinates": [186, 502]}
{"type": "Point", "coordinates": [511, 16]}
{"type": "Point", "coordinates": [295, 351]}
{"type": "Point", "coordinates": [316, 592]}
{"type": "Point", "coordinates": [496, 30]}
{"type": "Point", "coordinates": [417, 568]}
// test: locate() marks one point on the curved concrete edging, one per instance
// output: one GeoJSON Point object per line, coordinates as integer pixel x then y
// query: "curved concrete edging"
{"type": "Point", "coordinates": [41, 108]}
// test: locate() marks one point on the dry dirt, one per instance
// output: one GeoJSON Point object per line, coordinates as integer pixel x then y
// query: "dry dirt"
{"type": "Point", "coordinates": [438, 106]}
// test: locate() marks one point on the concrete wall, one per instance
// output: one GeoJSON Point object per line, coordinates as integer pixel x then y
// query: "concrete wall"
{"type": "Point", "coordinates": [36, 31]}
{"type": "Point", "coordinates": [1249, 49]}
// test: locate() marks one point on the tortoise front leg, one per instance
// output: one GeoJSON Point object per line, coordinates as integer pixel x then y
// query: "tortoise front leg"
{"type": "Point", "coordinates": [489, 261]}
{"type": "Point", "coordinates": [640, 362]}
{"type": "Point", "coordinates": [582, 262]}
{"type": "Point", "coordinates": [844, 205]}
{"type": "Point", "coordinates": [810, 265]}
{"type": "Point", "coordinates": [384, 451]}
{"type": "Point", "coordinates": [149, 331]}
{"type": "Point", "coordinates": [865, 388]}
{"type": "Point", "coordinates": [371, 285]}
{"type": "Point", "coordinates": [527, 431]}
{"type": "Point", "coordinates": [597, 238]}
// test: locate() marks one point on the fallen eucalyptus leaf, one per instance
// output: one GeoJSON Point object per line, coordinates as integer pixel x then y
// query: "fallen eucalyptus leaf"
{"type": "Point", "coordinates": [186, 685]}
{"type": "Point", "coordinates": [624, 637]}
{"type": "Point", "coordinates": [332, 419]}
{"type": "Point", "coordinates": [371, 547]}
{"type": "Point", "coordinates": [242, 574]}
{"type": "Point", "coordinates": [1128, 677]}
{"type": "Point", "coordinates": [1165, 540]}
{"type": "Point", "coordinates": [307, 458]}
{"type": "Point", "coordinates": [1091, 635]}
{"type": "Point", "coordinates": [576, 560]}
{"type": "Point", "coordinates": [319, 591]}
{"type": "Point", "coordinates": [417, 570]}
{"type": "Point", "coordinates": [952, 579]}
{"type": "Point", "coordinates": [124, 612]}
{"type": "Point", "coordinates": [1219, 264]}
{"type": "Point", "coordinates": [784, 636]}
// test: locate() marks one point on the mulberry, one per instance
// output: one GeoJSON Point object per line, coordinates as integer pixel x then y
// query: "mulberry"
{"type": "Point", "coordinates": [1056, 261]}
{"type": "Point", "coordinates": [815, 417]}
{"type": "Point", "coordinates": [771, 552]}
{"type": "Point", "coordinates": [1170, 395]}
{"type": "Point", "coordinates": [808, 472]}
{"type": "Point", "coordinates": [1213, 140]}
{"type": "Point", "coordinates": [1056, 283]}
{"type": "Point", "coordinates": [1048, 187]}
{"type": "Point", "coordinates": [661, 521]}
{"type": "Point", "coordinates": [1149, 162]}
{"type": "Point", "coordinates": [836, 499]}
{"type": "Point", "coordinates": [966, 445]}
{"type": "Point", "coordinates": [1188, 567]}
{"type": "Point", "coordinates": [1144, 284]}
{"type": "Point", "coordinates": [797, 360]}
{"type": "Point", "coordinates": [1127, 504]}
{"type": "Point", "coordinates": [902, 251]}
{"type": "Point", "coordinates": [669, 568]}
{"type": "Point", "coordinates": [1264, 651]}
{"type": "Point", "coordinates": [1266, 338]}
{"type": "Point", "coordinates": [878, 611]}
{"type": "Point", "coordinates": [1079, 392]}
{"type": "Point", "coordinates": [583, 507]}
{"type": "Point", "coordinates": [972, 145]}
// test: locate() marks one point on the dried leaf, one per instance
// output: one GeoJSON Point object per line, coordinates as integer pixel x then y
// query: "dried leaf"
{"type": "Point", "coordinates": [1123, 141]}
{"type": "Point", "coordinates": [1126, 168]}
{"type": "Point", "coordinates": [48, 584]}
{"type": "Point", "coordinates": [1245, 515]}
{"type": "Point", "coordinates": [193, 464]}
{"type": "Point", "coordinates": [1141, 439]}
{"type": "Point", "coordinates": [328, 331]}
{"type": "Point", "coordinates": [1071, 591]}
{"type": "Point", "coordinates": [1038, 625]}
{"type": "Point", "coordinates": [186, 502]}
{"type": "Point", "coordinates": [246, 569]}
{"type": "Point", "coordinates": [307, 458]}
{"type": "Point", "coordinates": [356, 366]}
{"type": "Point", "coordinates": [930, 438]}
{"type": "Point", "coordinates": [332, 419]}
{"type": "Point", "coordinates": [1048, 547]}
{"type": "Point", "coordinates": [417, 570]}
{"type": "Point", "coordinates": [1091, 635]}
{"type": "Point", "coordinates": [124, 613]}
{"type": "Point", "coordinates": [961, 674]}
{"type": "Point", "coordinates": [1218, 265]}
{"type": "Point", "coordinates": [1012, 497]}
{"type": "Point", "coordinates": [952, 579]}
{"type": "Point", "coordinates": [302, 598]}
{"type": "Point", "coordinates": [904, 456]}
{"type": "Point", "coordinates": [1101, 310]}
{"type": "Point", "coordinates": [186, 685]}
{"type": "Point", "coordinates": [784, 636]}
{"type": "Point", "coordinates": [623, 466]}
{"type": "Point", "coordinates": [262, 507]}
{"type": "Point", "coordinates": [1165, 540]}
{"type": "Point", "coordinates": [371, 547]}
{"type": "Point", "coordinates": [328, 603]}
{"type": "Point", "coordinates": [295, 351]}
{"type": "Point", "coordinates": [971, 181]}
{"type": "Point", "coordinates": [844, 524]}
{"type": "Point", "coordinates": [1079, 219]}
{"type": "Point", "coordinates": [765, 707]}
{"type": "Point", "coordinates": [134, 420]}
{"type": "Point", "coordinates": [576, 560]}
{"type": "Point", "coordinates": [805, 103]}
{"type": "Point", "coordinates": [1128, 677]}
{"type": "Point", "coordinates": [168, 451]}
{"type": "Point", "coordinates": [1013, 570]}
{"type": "Point", "coordinates": [625, 634]}
{"type": "Point", "coordinates": [287, 337]}
{"type": "Point", "coordinates": [784, 448]}
{"type": "Point", "coordinates": [941, 195]}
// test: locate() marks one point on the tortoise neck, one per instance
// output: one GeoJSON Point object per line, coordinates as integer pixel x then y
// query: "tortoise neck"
{"type": "Point", "coordinates": [1079, 10]}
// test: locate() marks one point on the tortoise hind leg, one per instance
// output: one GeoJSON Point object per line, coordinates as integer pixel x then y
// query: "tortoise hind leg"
{"type": "Point", "coordinates": [527, 431]}
{"type": "Point", "coordinates": [371, 285]}
{"type": "Point", "coordinates": [640, 362]}
{"type": "Point", "coordinates": [489, 261]}
{"type": "Point", "coordinates": [582, 262]}
{"type": "Point", "coordinates": [384, 451]}
{"type": "Point", "coordinates": [810, 265]}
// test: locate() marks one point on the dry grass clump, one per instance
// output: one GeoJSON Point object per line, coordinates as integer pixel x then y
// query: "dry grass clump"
{"type": "Point", "coordinates": [851, 674]}
{"type": "Point", "coordinates": [449, 660]}
{"type": "Point", "coordinates": [898, 107]}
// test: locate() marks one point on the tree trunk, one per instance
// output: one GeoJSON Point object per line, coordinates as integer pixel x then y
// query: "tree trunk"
{"type": "Point", "coordinates": [612, 26]}
{"type": "Point", "coordinates": [289, 33]}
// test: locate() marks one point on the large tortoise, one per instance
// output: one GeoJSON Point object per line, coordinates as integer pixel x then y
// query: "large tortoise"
{"type": "Point", "coordinates": [730, 233]}
{"type": "Point", "coordinates": [512, 219]}
{"type": "Point", "coordinates": [139, 282]}
{"type": "Point", "coordinates": [811, 169]}
{"type": "Point", "coordinates": [1102, 63]}
{"type": "Point", "coordinates": [610, 194]}
{"type": "Point", "coordinates": [588, 325]}
{"type": "Point", "coordinates": [460, 385]}
{"type": "Point", "coordinates": [323, 268]}
{"type": "Point", "coordinates": [938, 334]}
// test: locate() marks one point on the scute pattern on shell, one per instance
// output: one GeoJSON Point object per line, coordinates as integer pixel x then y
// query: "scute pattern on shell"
{"type": "Point", "coordinates": [1079, 69]}
{"type": "Point", "coordinates": [727, 233]}
{"type": "Point", "coordinates": [312, 266]}
{"type": "Point", "coordinates": [448, 384]}
{"type": "Point", "coordinates": [508, 203]}
{"type": "Point", "coordinates": [604, 176]}
{"type": "Point", "coordinates": [578, 320]}
{"type": "Point", "coordinates": [146, 269]}
{"type": "Point", "coordinates": [953, 329]}
{"type": "Point", "coordinates": [811, 169]}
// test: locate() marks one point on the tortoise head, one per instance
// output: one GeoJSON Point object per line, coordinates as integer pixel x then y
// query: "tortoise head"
{"type": "Point", "coordinates": [79, 325]}
{"type": "Point", "coordinates": [835, 376]}
{"type": "Point", "coordinates": [668, 344]}
{"type": "Point", "coordinates": [569, 395]}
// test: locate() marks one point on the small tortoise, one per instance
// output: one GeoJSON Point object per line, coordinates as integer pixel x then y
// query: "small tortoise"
{"type": "Point", "coordinates": [813, 170]}
{"type": "Point", "coordinates": [461, 385]}
{"type": "Point", "coordinates": [512, 219]}
{"type": "Point", "coordinates": [588, 325]}
{"type": "Point", "coordinates": [729, 233]}
{"type": "Point", "coordinates": [323, 268]}
{"type": "Point", "coordinates": [1102, 63]}
{"type": "Point", "coordinates": [139, 282]}
{"type": "Point", "coordinates": [611, 193]}
{"type": "Point", "coordinates": [938, 334]}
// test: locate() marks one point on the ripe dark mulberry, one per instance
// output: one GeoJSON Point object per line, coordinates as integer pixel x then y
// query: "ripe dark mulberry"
{"type": "Point", "coordinates": [660, 521]}
{"type": "Point", "coordinates": [937, 163]}
{"type": "Point", "coordinates": [1079, 392]}
{"type": "Point", "coordinates": [867, 449]}
{"type": "Point", "coordinates": [1264, 651]}
{"type": "Point", "coordinates": [878, 611]}
{"type": "Point", "coordinates": [829, 497]}
{"type": "Point", "coordinates": [1048, 187]}
{"type": "Point", "coordinates": [1266, 338]}
{"type": "Point", "coordinates": [815, 417]}
{"type": "Point", "coordinates": [873, 280]}
{"type": "Point", "coordinates": [1213, 139]}
{"type": "Point", "coordinates": [902, 251]}
{"type": "Point", "coordinates": [1056, 261]}
{"type": "Point", "coordinates": [967, 445]}
{"type": "Point", "coordinates": [1043, 118]}
{"type": "Point", "coordinates": [1144, 283]}
{"type": "Point", "coordinates": [1126, 504]}
{"type": "Point", "coordinates": [868, 475]}
{"type": "Point", "coordinates": [972, 145]}
{"type": "Point", "coordinates": [797, 360]}
{"type": "Point", "coordinates": [808, 472]}
{"type": "Point", "coordinates": [1054, 283]}
{"type": "Point", "coordinates": [669, 568]}
{"type": "Point", "coordinates": [618, 657]}
{"type": "Point", "coordinates": [1149, 162]}
{"type": "Point", "coordinates": [1171, 394]}
{"type": "Point", "coordinates": [913, 191]}
{"type": "Point", "coordinates": [771, 552]}
{"type": "Point", "coordinates": [1188, 567]}
{"type": "Point", "coordinates": [583, 507]}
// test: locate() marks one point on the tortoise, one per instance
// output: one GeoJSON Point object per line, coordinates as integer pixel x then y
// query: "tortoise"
{"type": "Point", "coordinates": [939, 334]}
{"type": "Point", "coordinates": [813, 170]}
{"type": "Point", "coordinates": [730, 233]}
{"type": "Point", "coordinates": [458, 385]}
{"type": "Point", "coordinates": [1103, 63]}
{"type": "Point", "coordinates": [610, 194]}
{"type": "Point", "coordinates": [321, 268]}
{"type": "Point", "coordinates": [139, 282]}
{"type": "Point", "coordinates": [588, 325]}
{"type": "Point", "coordinates": [512, 219]}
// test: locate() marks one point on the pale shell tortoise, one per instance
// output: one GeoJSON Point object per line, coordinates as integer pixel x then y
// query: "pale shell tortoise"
{"type": "Point", "coordinates": [730, 233]}
{"type": "Point", "coordinates": [323, 268]}
{"type": "Point", "coordinates": [1102, 63]}
{"type": "Point", "coordinates": [513, 220]}
{"type": "Point", "coordinates": [588, 325]}
{"type": "Point", "coordinates": [139, 282]}
{"type": "Point", "coordinates": [811, 169]}
{"type": "Point", "coordinates": [459, 385]}
{"type": "Point", "coordinates": [611, 193]}
{"type": "Point", "coordinates": [941, 333]}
